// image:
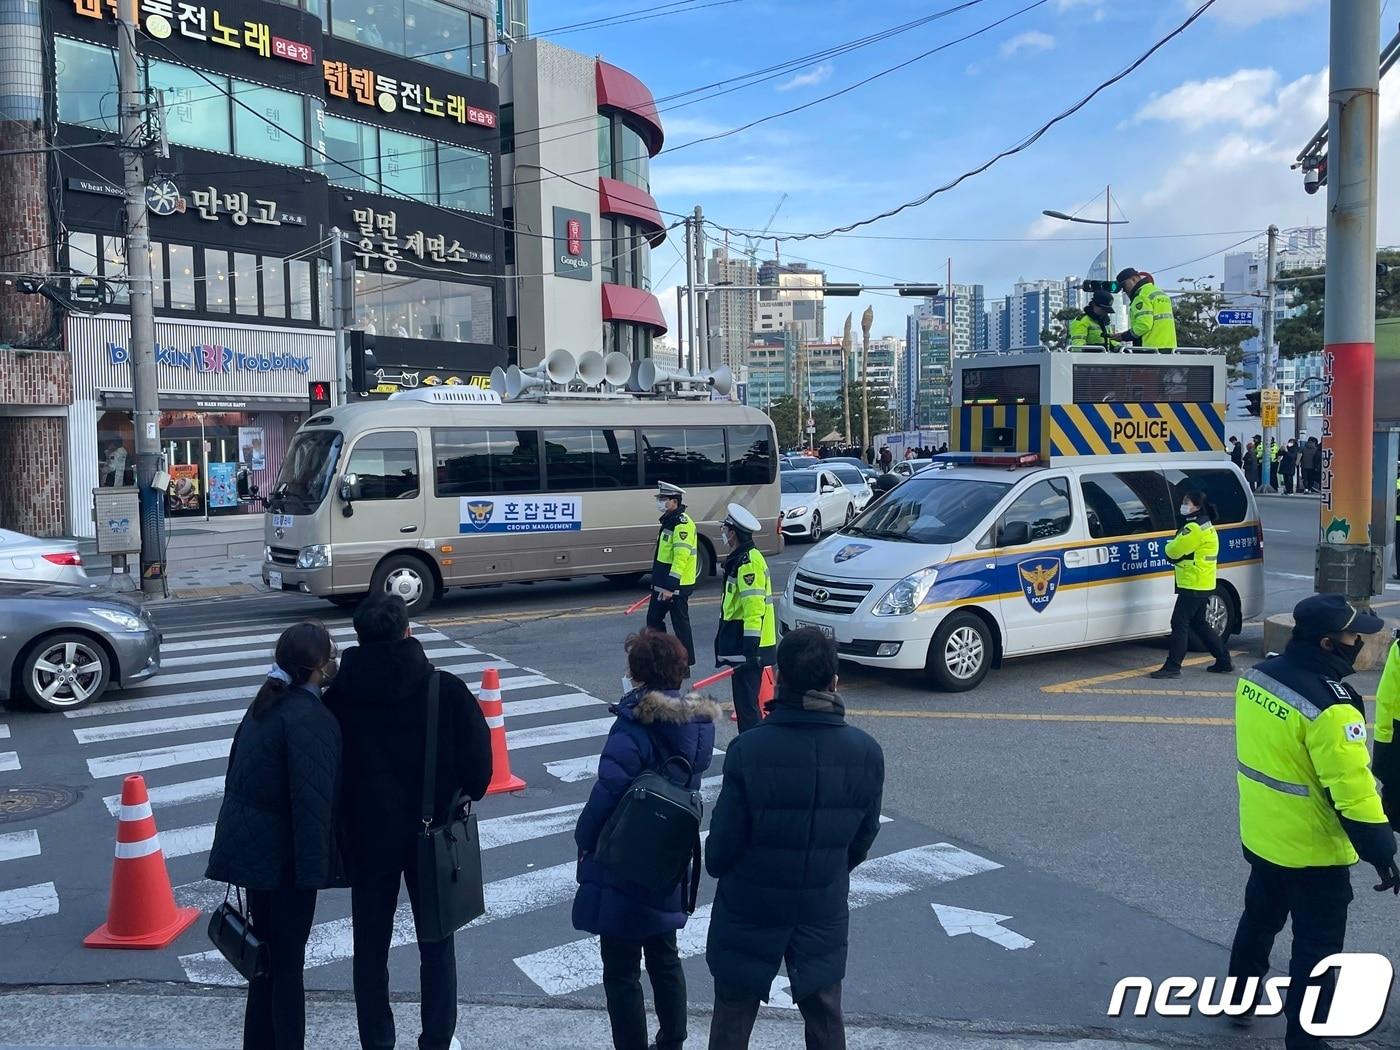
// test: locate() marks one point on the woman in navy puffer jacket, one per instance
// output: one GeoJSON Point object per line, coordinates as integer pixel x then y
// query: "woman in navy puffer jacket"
{"type": "Point", "coordinates": [654, 723]}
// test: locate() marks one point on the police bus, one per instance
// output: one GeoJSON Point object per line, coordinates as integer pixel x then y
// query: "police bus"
{"type": "Point", "coordinates": [1047, 531]}
{"type": "Point", "coordinates": [454, 487]}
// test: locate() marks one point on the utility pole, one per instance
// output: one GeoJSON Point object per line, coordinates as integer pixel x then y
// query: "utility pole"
{"type": "Point", "coordinates": [866, 320]}
{"type": "Point", "coordinates": [845, 377]}
{"type": "Point", "coordinates": [1347, 561]}
{"type": "Point", "coordinates": [694, 358]}
{"type": "Point", "coordinates": [705, 351]}
{"type": "Point", "coordinates": [338, 319]}
{"type": "Point", "coordinates": [145, 386]}
{"type": "Point", "coordinates": [1266, 367]}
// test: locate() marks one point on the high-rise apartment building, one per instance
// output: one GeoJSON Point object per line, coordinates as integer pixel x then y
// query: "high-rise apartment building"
{"type": "Point", "coordinates": [1031, 309]}
{"type": "Point", "coordinates": [963, 309]}
{"type": "Point", "coordinates": [926, 374]}
{"type": "Point", "coordinates": [732, 314]}
{"type": "Point", "coordinates": [995, 333]}
{"type": "Point", "coordinates": [1245, 277]}
{"type": "Point", "coordinates": [799, 284]}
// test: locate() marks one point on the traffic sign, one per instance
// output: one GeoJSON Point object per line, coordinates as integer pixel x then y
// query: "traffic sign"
{"type": "Point", "coordinates": [1235, 317]}
{"type": "Point", "coordinates": [1269, 415]}
{"type": "Point", "coordinates": [1269, 396]}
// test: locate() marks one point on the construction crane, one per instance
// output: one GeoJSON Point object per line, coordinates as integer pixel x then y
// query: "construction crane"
{"type": "Point", "coordinates": [753, 252]}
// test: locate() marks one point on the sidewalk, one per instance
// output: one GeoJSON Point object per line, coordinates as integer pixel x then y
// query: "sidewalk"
{"type": "Point", "coordinates": [220, 558]}
{"type": "Point", "coordinates": [186, 1020]}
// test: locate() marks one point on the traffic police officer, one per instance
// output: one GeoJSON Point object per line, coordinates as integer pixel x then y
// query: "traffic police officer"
{"type": "Point", "coordinates": [748, 632]}
{"type": "Point", "coordinates": [1308, 803]}
{"type": "Point", "coordinates": [1090, 329]}
{"type": "Point", "coordinates": [1193, 552]}
{"type": "Point", "coordinates": [674, 567]}
{"type": "Point", "coordinates": [1152, 323]}
{"type": "Point", "coordinates": [1387, 761]}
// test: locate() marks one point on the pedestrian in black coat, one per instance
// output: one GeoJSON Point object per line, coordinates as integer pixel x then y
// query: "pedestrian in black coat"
{"type": "Point", "coordinates": [798, 811]}
{"type": "Point", "coordinates": [380, 699]}
{"type": "Point", "coordinates": [275, 835]}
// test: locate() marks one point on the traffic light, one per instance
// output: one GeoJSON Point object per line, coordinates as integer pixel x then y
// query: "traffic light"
{"type": "Point", "coordinates": [1252, 401]}
{"type": "Point", "coordinates": [1100, 286]}
{"type": "Point", "coordinates": [361, 361]}
{"type": "Point", "coordinates": [318, 393]}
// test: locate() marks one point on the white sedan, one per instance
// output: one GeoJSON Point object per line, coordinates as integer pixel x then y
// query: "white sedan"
{"type": "Point", "coordinates": [855, 480]}
{"type": "Point", "coordinates": [813, 501]}
{"type": "Point", "coordinates": [29, 559]}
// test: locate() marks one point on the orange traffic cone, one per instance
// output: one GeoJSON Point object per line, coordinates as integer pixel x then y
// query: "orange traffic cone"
{"type": "Point", "coordinates": [489, 697]}
{"type": "Point", "coordinates": [141, 912]}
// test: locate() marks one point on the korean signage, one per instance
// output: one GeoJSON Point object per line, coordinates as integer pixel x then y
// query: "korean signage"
{"type": "Point", "coordinates": [211, 204]}
{"type": "Point", "coordinates": [389, 94]}
{"type": "Point", "coordinates": [217, 360]}
{"type": "Point", "coordinates": [380, 245]}
{"type": "Point", "coordinates": [520, 514]}
{"type": "Point", "coordinates": [163, 19]}
{"type": "Point", "coordinates": [573, 244]}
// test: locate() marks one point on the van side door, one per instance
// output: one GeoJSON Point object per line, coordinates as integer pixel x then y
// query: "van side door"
{"type": "Point", "coordinates": [383, 478]}
{"type": "Point", "coordinates": [1043, 597]}
{"type": "Point", "coordinates": [1131, 516]}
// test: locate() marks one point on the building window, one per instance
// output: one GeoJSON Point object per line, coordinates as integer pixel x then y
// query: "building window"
{"type": "Point", "coordinates": [608, 264]}
{"type": "Point", "coordinates": [634, 158]}
{"type": "Point", "coordinates": [275, 130]}
{"type": "Point", "coordinates": [407, 165]}
{"type": "Point", "coordinates": [422, 308]}
{"type": "Point", "coordinates": [605, 145]}
{"type": "Point", "coordinates": [351, 154]}
{"type": "Point", "coordinates": [274, 287]}
{"type": "Point", "coordinates": [245, 283]}
{"type": "Point", "coordinates": [299, 291]}
{"type": "Point", "coordinates": [86, 84]}
{"type": "Point", "coordinates": [508, 128]}
{"type": "Point", "coordinates": [181, 272]}
{"type": "Point", "coordinates": [432, 31]}
{"type": "Point", "coordinates": [157, 275]}
{"type": "Point", "coordinates": [362, 156]}
{"type": "Point", "coordinates": [218, 297]}
{"type": "Point", "coordinates": [375, 23]}
{"type": "Point", "coordinates": [464, 179]}
{"type": "Point", "coordinates": [629, 253]}
{"type": "Point", "coordinates": [196, 109]}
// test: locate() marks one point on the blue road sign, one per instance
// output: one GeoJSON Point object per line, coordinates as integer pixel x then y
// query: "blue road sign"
{"type": "Point", "coordinates": [1235, 317]}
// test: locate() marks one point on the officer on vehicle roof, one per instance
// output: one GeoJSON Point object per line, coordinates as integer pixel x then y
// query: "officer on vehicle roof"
{"type": "Point", "coordinates": [1308, 803]}
{"type": "Point", "coordinates": [748, 633]}
{"type": "Point", "coordinates": [1151, 323]}
{"type": "Point", "coordinates": [674, 567]}
{"type": "Point", "coordinates": [1090, 330]}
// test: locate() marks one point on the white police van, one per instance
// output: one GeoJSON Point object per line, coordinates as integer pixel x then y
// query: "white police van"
{"type": "Point", "coordinates": [1047, 533]}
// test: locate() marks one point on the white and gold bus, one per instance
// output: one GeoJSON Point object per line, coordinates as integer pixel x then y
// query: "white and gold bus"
{"type": "Point", "coordinates": [450, 487]}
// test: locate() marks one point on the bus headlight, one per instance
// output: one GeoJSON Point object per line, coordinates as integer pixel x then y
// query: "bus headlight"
{"type": "Point", "coordinates": [907, 595]}
{"type": "Point", "coordinates": [317, 556]}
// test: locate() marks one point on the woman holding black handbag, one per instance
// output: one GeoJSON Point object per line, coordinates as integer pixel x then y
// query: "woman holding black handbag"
{"type": "Point", "coordinates": [275, 833]}
{"type": "Point", "coordinates": [655, 724]}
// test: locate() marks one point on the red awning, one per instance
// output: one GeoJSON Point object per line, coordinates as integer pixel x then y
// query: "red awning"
{"type": "Point", "coordinates": [632, 304]}
{"type": "Point", "coordinates": [620, 198]}
{"type": "Point", "coordinates": [621, 90]}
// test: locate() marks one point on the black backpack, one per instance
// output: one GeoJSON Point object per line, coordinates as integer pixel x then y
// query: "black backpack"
{"type": "Point", "coordinates": [654, 833]}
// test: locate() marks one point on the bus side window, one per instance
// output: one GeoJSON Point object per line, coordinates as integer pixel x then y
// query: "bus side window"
{"type": "Point", "coordinates": [386, 465]}
{"type": "Point", "coordinates": [751, 458]}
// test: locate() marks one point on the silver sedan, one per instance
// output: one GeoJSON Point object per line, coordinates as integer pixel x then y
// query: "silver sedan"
{"type": "Point", "coordinates": [34, 560]}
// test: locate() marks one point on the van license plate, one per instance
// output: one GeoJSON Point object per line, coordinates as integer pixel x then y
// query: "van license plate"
{"type": "Point", "coordinates": [274, 580]}
{"type": "Point", "coordinates": [830, 632]}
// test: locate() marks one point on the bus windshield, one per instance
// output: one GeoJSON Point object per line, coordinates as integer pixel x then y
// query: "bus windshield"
{"type": "Point", "coordinates": [306, 472]}
{"type": "Point", "coordinates": [929, 510]}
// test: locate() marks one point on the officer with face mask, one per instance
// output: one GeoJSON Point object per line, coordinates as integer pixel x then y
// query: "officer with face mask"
{"type": "Point", "coordinates": [748, 631]}
{"type": "Point", "coordinates": [674, 568]}
{"type": "Point", "coordinates": [1193, 552]}
{"type": "Point", "coordinates": [1308, 802]}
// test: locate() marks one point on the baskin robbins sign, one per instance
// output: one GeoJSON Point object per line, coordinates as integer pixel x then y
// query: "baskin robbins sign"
{"type": "Point", "coordinates": [216, 360]}
{"type": "Point", "coordinates": [520, 514]}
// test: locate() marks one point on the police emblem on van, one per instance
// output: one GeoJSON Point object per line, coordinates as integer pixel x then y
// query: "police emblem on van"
{"type": "Point", "coordinates": [1040, 579]}
{"type": "Point", "coordinates": [849, 551]}
{"type": "Point", "coordinates": [480, 512]}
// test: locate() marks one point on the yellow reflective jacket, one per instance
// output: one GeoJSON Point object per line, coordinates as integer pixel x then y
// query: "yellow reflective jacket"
{"type": "Point", "coordinates": [1387, 760]}
{"type": "Point", "coordinates": [1151, 318]}
{"type": "Point", "coordinates": [1307, 797]}
{"type": "Point", "coordinates": [1085, 331]}
{"type": "Point", "coordinates": [1193, 552]}
{"type": "Point", "coordinates": [748, 628]}
{"type": "Point", "coordinates": [677, 562]}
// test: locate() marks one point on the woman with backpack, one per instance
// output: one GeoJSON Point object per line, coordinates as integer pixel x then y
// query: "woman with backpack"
{"type": "Point", "coordinates": [655, 724]}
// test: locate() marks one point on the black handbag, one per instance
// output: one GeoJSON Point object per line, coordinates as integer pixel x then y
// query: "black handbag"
{"type": "Point", "coordinates": [232, 933]}
{"type": "Point", "coordinates": [652, 838]}
{"type": "Point", "coordinates": [451, 892]}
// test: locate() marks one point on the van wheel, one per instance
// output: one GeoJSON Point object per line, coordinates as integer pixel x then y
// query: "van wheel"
{"type": "Point", "coordinates": [960, 654]}
{"type": "Point", "coordinates": [1220, 616]}
{"type": "Point", "coordinates": [407, 577]}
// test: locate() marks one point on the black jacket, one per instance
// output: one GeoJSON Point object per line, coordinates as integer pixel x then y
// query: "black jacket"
{"type": "Point", "coordinates": [799, 809]}
{"type": "Point", "coordinates": [276, 826]}
{"type": "Point", "coordinates": [380, 698]}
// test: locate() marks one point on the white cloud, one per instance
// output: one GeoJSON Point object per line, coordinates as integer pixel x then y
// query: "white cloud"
{"type": "Point", "coordinates": [747, 177]}
{"type": "Point", "coordinates": [1094, 8]}
{"type": "Point", "coordinates": [1245, 13]}
{"type": "Point", "coordinates": [810, 78]}
{"type": "Point", "coordinates": [1245, 98]}
{"type": "Point", "coordinates": [691, 127]}
{"type": "Point", "coordinates": [1030, 42]}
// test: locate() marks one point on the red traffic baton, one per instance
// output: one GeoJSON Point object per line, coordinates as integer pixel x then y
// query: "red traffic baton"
{"type": "Point", "coordinates": [718, 676]}
{"type": "Point", "coordinates": [637, 605]}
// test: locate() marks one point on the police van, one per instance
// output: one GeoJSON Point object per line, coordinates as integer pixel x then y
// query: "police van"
{"type": "Point", "coordinates": [1047, 530]}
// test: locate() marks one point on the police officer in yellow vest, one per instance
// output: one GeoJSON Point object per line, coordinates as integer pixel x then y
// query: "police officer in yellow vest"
{"type": "Point", "coordinates": [1387, 761]}
{"type": "Point", "coordinates": [748, 631]}
{"type": "Point", "coordinates": [1308, 803]}
{"type": "Point", "coordinates": [674, 567]}
{"type": "Point", "coordinates": [1193, 552]}
{"type": "Point", "coordinates": [1152, 324]}
{"type": "Point", "coordinates": [1090, 330]}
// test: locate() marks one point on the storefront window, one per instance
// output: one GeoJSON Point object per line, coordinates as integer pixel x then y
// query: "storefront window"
{"type": "Point", "coordinates": [276, 132]}
{"type": "Point", "coordinates": [299, 289]}
{"type": "Point", "coordinates": [157, 275]}
{"type": "Point", "coordinates": [217, 293]}
{"type": "Point", "coordinates": [352, 154]}
{"type": "Point", "coordinates": [407, 163]}
{"type": "Point", "coordinates": [274, 287]}
{"type": "Point", "coordinates": [466, 313]}
{"type": "Point", "coordinates": [114, 267]}
{"type": "Point", "coordinates": [181, 273]}
{"type": "Point", "coordinates": [82, 253]}
{"type": "Point", "coordinates": [419, 308]}
{"type": "Point", "coordinates": [245, 283]}
{"type": "Point", "coordinates": [464, 179]}
{"type": "Point", "coordinates": [196, 108]}
{"type": "Point", "coordinates": [87, 84]}
{"type": "Point", "coordinates": [323, 293]}
{"type": "Point", "coordinates": [116, 450]}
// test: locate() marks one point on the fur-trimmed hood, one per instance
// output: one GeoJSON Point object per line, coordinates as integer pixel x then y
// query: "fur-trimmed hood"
{"type": "Point", "coordinates": [670, 708]}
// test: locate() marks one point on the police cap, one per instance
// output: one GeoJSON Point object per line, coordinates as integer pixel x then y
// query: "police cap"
{"type": "Point", "coordinates": [1125, 274]}
{"type": "Point", "coordinates": [665, 490]}
{"type": "Point", "coordinates": [739, 518]}
{"type": "Point", "coordinates": [1103, 299]}
{"type": "Point", "coordinates": [1324, 614]}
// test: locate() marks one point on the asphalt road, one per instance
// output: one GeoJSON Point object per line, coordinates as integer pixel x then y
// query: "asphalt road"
{"type": "Point", "coordinates": [1069, 793]}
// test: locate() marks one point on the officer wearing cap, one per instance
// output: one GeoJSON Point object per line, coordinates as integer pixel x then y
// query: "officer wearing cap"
{"type": "Point", "coordinates": [1152, 323]}
{"type": "Point", "coordinates": [1090, 330]}
{"type": "Point", "coordinates": [748, 631]}
{"type": "Point", "coordinates": [1308, 803]}
{"type": "Point", "coordinates": [674, 567]}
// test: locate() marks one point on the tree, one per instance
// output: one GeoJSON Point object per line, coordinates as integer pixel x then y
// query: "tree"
{"type": "Point", "coordinates": [881, 418]}
{"type": "Point", "coordinates": [1302, 334]}
{"type": "Point", "coordinates": [784, 413]}
{"type": "Point", "coordinates": [1196, 327]}
{"type": "Point", "coordinates": [1056, 337]}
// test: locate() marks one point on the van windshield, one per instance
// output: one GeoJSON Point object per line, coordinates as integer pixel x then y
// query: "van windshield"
{"type": "Point", "coordinates": [306, 472]}
{"type": "Point", "coordinates": [930, 510]}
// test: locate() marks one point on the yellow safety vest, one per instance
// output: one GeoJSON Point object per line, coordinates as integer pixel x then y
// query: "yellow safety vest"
{"type": "Point", "coordinates": [1387, 761]}
{"type": "Point", "coordinates": [1085, 331]}
{"type": "Point", "coordinates": [1193, 552]}
{"type": "Point", "coordinates": [746, 619]}
{"type": "Point", "coordinates": [676, 556]}
{"type": "Point", "coordinates": [1151, 318]}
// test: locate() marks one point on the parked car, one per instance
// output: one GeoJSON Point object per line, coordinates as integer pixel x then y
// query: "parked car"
{"type": "Point", "coordinates": [61, 647]}
{"type": "Point", "coordinates": [799, 462]}
{"type": "Point", "coordinates": [909, 467]}
{"type": "Point", "coordinates": [814, 500]}
{"type": "Point", "coordinates": [855, 480]}
{"type": "Point", "coordinates": [28, 559]}
{"type": "Point", "coordinates": [865, 468]}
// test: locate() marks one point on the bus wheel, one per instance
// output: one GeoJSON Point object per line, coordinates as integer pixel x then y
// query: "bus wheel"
{"type": "Point", "coordinates": [960, 654]}
{"type": "Point", "coordinates": [706, 568]}
{"type": "Point", "coordinates": [409, 578]}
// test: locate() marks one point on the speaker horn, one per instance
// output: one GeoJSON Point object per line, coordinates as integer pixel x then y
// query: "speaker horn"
{"type": "Point", "coordinates": [617, 369]}
{"type": "Point", "coordinates": [720, 379]}
{"type": "Point", "coordinates": [560, 367]}
{"type": "Point", "coordinates": [592, 370]}
{"type": "Point", "coordinates": [498, 381]}
{"type": "Point", "coordinates": [650, 375]}
{"type": "Point", "coordinates": [518, 381]}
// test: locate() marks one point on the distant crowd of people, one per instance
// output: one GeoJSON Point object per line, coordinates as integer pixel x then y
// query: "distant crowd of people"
{"type": "Point", "coordinates": [1293, 467]}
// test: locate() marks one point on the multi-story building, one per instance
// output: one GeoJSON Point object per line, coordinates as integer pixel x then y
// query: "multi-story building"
{"type": "Point", "coordinates": [886, 356]}
{"type": "Point", "coordinates": [996, 329]}
{"type": "Point", "coordinates": [732, 314]}
{"type": "Point", "coordinates": [773, 315]}
{"type": "Point", "coordinates": [963, 309]}
{"type": "Point", "coordinates": [770, 369]}
{"type": "Point", "coordinates": [284, 120]}
{"type": "Point", "coordinates": [926, 375]}
{"type": "Point", "coordinates": [1031, 309]}
{"type": "Point", "coordinates": [795, 282]}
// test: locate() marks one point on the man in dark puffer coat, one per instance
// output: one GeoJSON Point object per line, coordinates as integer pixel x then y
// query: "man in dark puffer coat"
{"type": "Point", "coordinates": [799, 809]}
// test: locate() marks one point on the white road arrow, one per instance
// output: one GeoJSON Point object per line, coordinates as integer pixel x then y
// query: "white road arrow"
{"type": "Point", "coordinates": [984, 924]}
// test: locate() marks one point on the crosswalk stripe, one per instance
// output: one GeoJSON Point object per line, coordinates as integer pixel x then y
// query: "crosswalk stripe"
{"type": "Point", "coordinates": [156, 726]}
{"type": "Point", "coordinates": [211, 660]}
{"type": "Point", "coordinates": [539, 705]}
{"type": "Point", "coordinates": [577, 770]}
{"type": "Point", "coordinates": [332, 941]}
{"type": "Point", "coordinates": [576, 965]}
{"type": "Point", "coordinates": [28, 902]}
{"type": "Point", "coordinates": [9, 761]}
{"type": "Point", "coordinates": [524, 681]}
{"type": "Point", "coordinates": [4, 731]}
{"type": "Point", "coordinates": [162, 703]}
{"type": "Point", "coordinates": [190, 641]}
{"type": "Point", "coordinates": [157, 758]}
{"type": "Point", "coordinates": [185, 842]}
{"type": "Point", "coordinates": [558, 733]}
{"type": "Point", "coordinates": [175, 794]}
{"type": "Point", "coordinates": [17, 844]}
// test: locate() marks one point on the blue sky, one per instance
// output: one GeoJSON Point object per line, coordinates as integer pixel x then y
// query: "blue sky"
{"type": "Point", "coordinates": [1196, 142]}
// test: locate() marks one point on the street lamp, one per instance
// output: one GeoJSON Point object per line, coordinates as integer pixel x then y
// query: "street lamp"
{"type": "Point", "coordinates": [1107, 222]}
